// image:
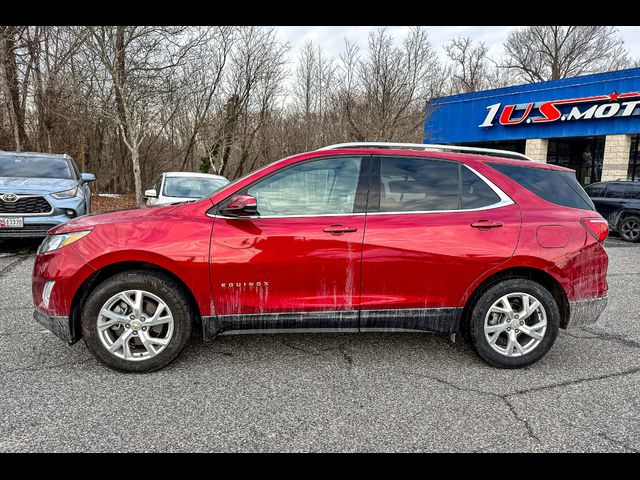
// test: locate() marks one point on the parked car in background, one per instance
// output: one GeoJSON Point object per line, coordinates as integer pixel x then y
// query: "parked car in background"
{"type": "Point", "coordinates": [180, 187]}
{"type": "Point", "coordinates": [619, 203]}
{"type": "Point", "coordinates": [39, 191]}
{"type": "Point", "coordinates": [354, 238]}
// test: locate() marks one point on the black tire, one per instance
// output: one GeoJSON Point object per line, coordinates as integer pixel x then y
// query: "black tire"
{"type": "Point", "coordinates": [484, 303]}
{"type": "Point", "coordinates": [629, 229]}
{"type": "Point", "coordinates": [161, 286]}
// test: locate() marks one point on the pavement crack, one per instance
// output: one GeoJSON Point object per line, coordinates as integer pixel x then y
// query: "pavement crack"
{"type": "Point", "coordinates": [300, 349]}
{"type": "Point", "coordinates": [8, 268]}
{"type": "Point", "coordinates": [33, 368]}
{"type": "Point", "coordinates": [522, 420]}
{"type": "Point", "coordinates": [577, 381]}
{"type": "Point", "coordinates": [616, 442]}
{"type": "Point", "coordinates": [613, 337]}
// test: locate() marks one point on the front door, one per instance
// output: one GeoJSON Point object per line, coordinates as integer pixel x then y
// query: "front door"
{"type": "Point", "coordinates": [433, 227]}
{"type": "Point", "coordinates": [296, 264]}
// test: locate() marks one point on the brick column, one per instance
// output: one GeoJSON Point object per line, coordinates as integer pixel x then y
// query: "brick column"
{"type": "Point", "coordinates": [616, 157]}
{"type": "Point", "coordinates": [536, 148]}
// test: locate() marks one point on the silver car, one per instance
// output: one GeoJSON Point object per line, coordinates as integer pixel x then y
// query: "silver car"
{"type": "Point", "coordinates": [180, 187]}
{"type": "Point", "coordinates": [39, 191]}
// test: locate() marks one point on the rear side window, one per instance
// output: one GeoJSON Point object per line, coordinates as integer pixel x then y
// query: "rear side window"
{"type": "Point", "coordinates": [596, 190]}
{"type": "Point", "coordinates": [554, 186]}
{"type": "Point", "coordinates": [423, 185]}
{"type": "Point", "coordinates": [615, 190]}
{"type": "Point", "coordinates": [476, 193]}
{"type": "Point", "coordinates": [410, 185]}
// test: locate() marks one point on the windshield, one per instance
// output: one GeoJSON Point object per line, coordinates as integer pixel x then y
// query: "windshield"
{"type": "Point", "coordinates": [34, 166]}
{"type": "Point", "coordinates": [192, 187]}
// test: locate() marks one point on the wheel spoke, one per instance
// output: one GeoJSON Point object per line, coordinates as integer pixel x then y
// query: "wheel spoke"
{"type": "Point", "coordinates": [518, 346]}
{"type": "Point", "coordinates": [121, 342]}
{"type": "Point", "coordinates": [506, 307]}
{"type": "Point", "coordinates": [511, 343]}
{"type": "Point", "coordinates": [114, 319]}
{"type": "Point", "coordinates": [530, 308]}
{"type": "Point", "coordinates": [145, 339]}
{"type": "Point", "coordinates": [498, 327]}
{"type": "Point", "coordinates": [532, 330]}
{"type": "Point", "coordinates": [157, 319]}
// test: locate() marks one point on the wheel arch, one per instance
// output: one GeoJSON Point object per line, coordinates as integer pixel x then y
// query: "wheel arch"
{"type": "Point", "coordinates": [539, 276]}
{"type": "Point", "coordinates": [108, 271]}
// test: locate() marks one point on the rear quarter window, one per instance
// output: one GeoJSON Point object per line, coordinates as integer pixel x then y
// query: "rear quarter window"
{"type": "Point", "coordinates": [554, 186]}
{"type": "Point", "coordinates": [596, 190]}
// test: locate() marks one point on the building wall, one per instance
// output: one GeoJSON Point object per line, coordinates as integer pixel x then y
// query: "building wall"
{"type": "Point", "coordinates": [536, 148]}
{"type": "Point", "coordinates": [616, 157]}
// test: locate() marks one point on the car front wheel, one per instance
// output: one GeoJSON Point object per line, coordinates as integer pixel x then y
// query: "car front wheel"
{"type": "Point", "coordinates": [514, 323]}
{"type": "Point", "coordinates": [136, 321]}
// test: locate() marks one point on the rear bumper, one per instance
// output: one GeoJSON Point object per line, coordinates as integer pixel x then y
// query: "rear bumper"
{"type": "Point", "coordinates": [59, 326]}
{"type": "Point", "coordinates": [584, 312]}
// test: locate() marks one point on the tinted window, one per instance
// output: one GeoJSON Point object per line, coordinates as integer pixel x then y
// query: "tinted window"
{"type": "Point", "coordinates": [34, 166]}
{"type": "Point", "coordinates": [192, 187]}
{"type": "Point", "coordinates": [319, 187]}
{"type": "Point", "coordinates": [615, 190]}
{"type": "Point", "coordinates": [475, 192]}
{"type": "Point", "coordinates": [632, 191]}
{"type": "Point", "coordinates": [411, 184]}
{"type": "Point", "coordinates": [596, 189]}
{"type": "Point", "coordinates": [554, 186]}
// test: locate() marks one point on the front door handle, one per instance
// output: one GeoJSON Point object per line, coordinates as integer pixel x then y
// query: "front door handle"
{"type": "Point", "coordinates": [486, 224]}
{"type": "Point", "coordinates": [338, 229]}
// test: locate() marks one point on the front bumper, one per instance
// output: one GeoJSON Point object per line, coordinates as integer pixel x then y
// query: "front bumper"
{"type": "Point", "coordinates": [59, 326]}
{"type": "Point", "coordinates": [584, 312]}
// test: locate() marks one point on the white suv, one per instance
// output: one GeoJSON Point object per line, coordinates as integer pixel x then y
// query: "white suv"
{"type": "Point", "coordinates": [179, 187]}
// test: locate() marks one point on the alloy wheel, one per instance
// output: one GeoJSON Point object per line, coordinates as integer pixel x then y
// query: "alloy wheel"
{"type": "Point", "coordinates": [515, 324]}
{"type": "Point", "coordinates": [630, 229]}
{"type": "Point", "coordinates": [135, 325]}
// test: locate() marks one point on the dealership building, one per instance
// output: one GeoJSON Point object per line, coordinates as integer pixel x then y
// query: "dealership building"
{"type": "Point", "coordinates": [590, 123]}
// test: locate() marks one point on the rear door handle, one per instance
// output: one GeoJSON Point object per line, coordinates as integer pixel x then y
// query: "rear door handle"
{"type": "Point", "coordinates": [338, 229]}
{"type": "Point", "coordinates": [486, 224]}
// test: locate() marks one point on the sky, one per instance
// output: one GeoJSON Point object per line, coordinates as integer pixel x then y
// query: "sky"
{"type": "Point", "coordinates": [332, 38]}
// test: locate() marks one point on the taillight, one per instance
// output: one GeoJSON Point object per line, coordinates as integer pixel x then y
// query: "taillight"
{"type": "Point", "coordinates": [598, 227]}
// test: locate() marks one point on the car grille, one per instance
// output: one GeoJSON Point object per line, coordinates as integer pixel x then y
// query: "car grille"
{"type": "Point", "coordinates": [26, 205]}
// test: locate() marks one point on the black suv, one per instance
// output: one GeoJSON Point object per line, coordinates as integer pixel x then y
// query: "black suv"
{"type": "Point", "coordinates": [619, 202]}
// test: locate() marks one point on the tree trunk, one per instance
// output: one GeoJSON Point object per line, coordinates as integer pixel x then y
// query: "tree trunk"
{"type": "Point", "coordinates": [135, 160]}
{"type": "Point", "coordinates": [10, 82]}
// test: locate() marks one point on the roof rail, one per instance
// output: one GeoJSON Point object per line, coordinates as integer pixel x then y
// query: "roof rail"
{"type": "Point", "coordinates": [430, 146]}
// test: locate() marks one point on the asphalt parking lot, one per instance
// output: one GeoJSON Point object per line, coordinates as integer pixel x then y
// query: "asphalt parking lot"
{"type": "Point", "coordinates": [323, 392]}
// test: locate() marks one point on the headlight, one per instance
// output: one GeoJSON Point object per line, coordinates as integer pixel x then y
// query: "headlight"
{"type": "Point", "coordinates": [54, 242]}
{"type": "Point", "coordinates": [66, 194]}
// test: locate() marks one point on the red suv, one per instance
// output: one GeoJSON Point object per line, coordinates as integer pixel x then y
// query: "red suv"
{"type": "Point", "coordinates": [349, 238]}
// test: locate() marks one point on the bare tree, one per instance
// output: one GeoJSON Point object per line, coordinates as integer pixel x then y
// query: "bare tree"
{"type": "Point", "coordinates": [383, 92]}
{"type": "Point", "coordinates": [540, 53]}
{"type": "Point", "coordinates": [138, 62]}
{"type": "Point", "coordinates": [11, 83]}
{"type": "Point", "coordinates": [470, 65]}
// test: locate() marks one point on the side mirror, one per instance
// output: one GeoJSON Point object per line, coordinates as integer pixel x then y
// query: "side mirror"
{"type": "Point", "coordinates": [87, 177]}
{"type": "Point", "coordinates": [241, 206]}
{"type": "Point", "coordinates": [151, 193]}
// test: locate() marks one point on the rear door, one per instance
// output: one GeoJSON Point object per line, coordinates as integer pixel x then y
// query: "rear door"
{"type": "Point", "coordinates": [297, 263]}
{"type": "Point", "coordinates": [432, 228]}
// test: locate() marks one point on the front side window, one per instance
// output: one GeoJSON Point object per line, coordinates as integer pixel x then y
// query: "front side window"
{"type": "Point", "coordinates": [318, 187]}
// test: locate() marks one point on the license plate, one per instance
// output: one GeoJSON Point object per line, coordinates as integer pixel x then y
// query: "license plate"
{"type": "Point", "coordinates": [11, 222]}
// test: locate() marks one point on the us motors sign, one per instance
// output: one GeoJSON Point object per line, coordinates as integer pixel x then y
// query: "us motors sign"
{"type": "Point", "coordinates": [585, 108]}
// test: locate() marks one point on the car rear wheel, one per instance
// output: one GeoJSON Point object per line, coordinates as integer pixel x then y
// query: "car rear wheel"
{"type": "Point", "coordinates": [136, 321]}
{"type": "Point", "coordinates": [630, 229]}
{"type": "Point", "coordinates": [514, 323]}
